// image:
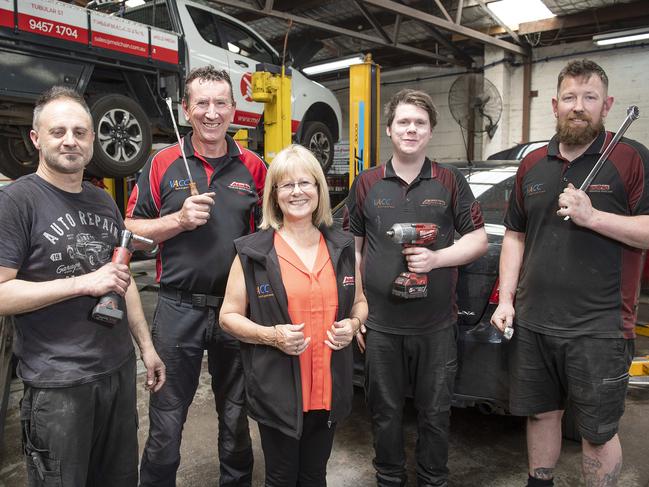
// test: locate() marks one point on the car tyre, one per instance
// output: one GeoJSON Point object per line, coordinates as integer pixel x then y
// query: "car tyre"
{"type": "Point", "coordinates": [122, 136]}
{"type": "Point", "coordinates": [317, 137]}
{"type": "Point", "coordinates": [16, 159]}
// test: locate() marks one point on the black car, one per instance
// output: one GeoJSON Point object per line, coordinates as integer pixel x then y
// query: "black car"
{"type": "Point", "coordinates": [518, 152]}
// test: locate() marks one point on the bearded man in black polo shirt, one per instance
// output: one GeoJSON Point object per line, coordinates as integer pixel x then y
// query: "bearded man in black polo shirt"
{"type": "Point", "coordinates": [412, 341]}
{"type": "Point", "coordinates": [196, 236]}
{"type": "Point", "coordinates": [575, 282]}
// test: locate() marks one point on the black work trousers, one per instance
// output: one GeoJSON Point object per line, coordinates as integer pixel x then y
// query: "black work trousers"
{"type": "Point", "coordinates": [179, 335]}
{"type": "Point", "coordinates": [427, 363]}
{"type": "Point", "coordinates": [292, 462]}
{"type": "Point", "coordinates": [84, 435]}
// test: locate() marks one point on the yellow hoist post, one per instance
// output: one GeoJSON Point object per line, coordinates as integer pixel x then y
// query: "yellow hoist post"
{"type": "Point", "coordinates": [364, 116]}
{"type": "Point", "coordinates": [116, 187]}
{"type": "Point", "coordinates": [241, 136]}
{"type": "Point", "coordinates": [271, 85]}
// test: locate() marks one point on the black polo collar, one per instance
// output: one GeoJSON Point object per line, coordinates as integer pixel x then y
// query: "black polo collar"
{"type": "Point", "coordinates": [233, 149]}
{"type": "Point", "coordinates": [597, 147]}
{"type": "Point", "coordinates": [428, 170]}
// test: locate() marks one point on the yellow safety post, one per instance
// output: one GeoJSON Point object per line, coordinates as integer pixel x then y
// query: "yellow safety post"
{"type": "Point", "coordinates": [271, 85]}
{"type": "Point", "coordinates": [116, 188]}
{"type": "Point", "coordinates": [364, 116]}
{"type": "Point", "coordinates": [642, 329]}
{"type": "Point", "coordinates": [241, 136]}
{"type": "Point", "coordinates": [639, 366]}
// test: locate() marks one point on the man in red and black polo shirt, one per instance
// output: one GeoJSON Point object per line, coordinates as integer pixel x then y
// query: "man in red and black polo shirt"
{"type": "Point", "coordinates": [575, 282]}
{"type": "Point", "coordinates": [412, 341]}
{"type": "Point", "coordinates": [196, 234]}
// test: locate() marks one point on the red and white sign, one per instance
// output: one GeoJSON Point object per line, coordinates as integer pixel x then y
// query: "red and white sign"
{"type": "Point", "coordinates": [247, 119]}
{"type": "Point", "coordinates": [6, 13]}
{"type": "Point", "coordinates": [119, 35]}
{"type": "Point", "coordinates": [53, 19]}
{"type": "Point", "coordinates": [164, 46]}
{"type": "Point", "coordinates": [246, 86]}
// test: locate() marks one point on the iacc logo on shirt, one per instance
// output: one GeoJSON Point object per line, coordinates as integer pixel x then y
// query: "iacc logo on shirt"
{"type": "Point", "coordinates": [535, 188]}
{"type": "Point", "coordinates": [348, 281]}
{"type": "Point", "coordinates": [383, 203]}
{"type": "Point", "coordinates": [179, 184]}
{"type": "Point", "coordinates": [264, 291]}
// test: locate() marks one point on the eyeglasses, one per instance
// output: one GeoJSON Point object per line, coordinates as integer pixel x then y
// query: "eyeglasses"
{"type": "Point", "coordinates": [289, 186]}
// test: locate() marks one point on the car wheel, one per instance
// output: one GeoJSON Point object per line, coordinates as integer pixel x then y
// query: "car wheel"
{"type": "Point", "coordinates": [316, 137]}
{"type": "Point", "coordinates": [122, 136]}
{"type": "Point", "coordinates": [92, 259]}
{"type": "Point", "coordinates": [16, 159]}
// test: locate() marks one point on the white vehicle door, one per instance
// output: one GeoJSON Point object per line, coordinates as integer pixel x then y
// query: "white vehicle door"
{"type": "Point", "coordinates": [245, 50]}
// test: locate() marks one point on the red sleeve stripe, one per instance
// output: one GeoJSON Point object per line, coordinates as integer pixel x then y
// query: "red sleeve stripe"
{"type": "Point", "coordinates": [368, 178]}
{"type": "Point", "coordinates": [628, 163]}
{"type": "Point", "coordinates": [132, 202]}
{"type": "Point", "coordinates": [447, 179]}
{"type": "Point", "coordinates": [159, 165]}
{"type": "Point", "coordinates": [528, 163]}
{"type": "Point", "coordinates": [257, 168]}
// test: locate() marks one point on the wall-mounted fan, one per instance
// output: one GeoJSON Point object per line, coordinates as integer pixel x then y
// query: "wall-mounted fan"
{"type": "Point", "coordinates": [475, 104]}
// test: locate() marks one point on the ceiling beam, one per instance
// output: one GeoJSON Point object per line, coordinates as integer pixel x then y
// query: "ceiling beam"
{"type": "Point", "coordinates": [441, 7]}
{"type": "Point", "coordinates": [396, 29]}
{"type": "Point", "coordinates": [496, 19]}
{"type": "Point", "coordinates": [451, 46]}
{"type": "Point", "coordinates": [446, 25]}
{"type": "Point", "coordinates": [346, 32]}
{"type": "Point", "coordinates": [458, 14]}
{"type": "Point", "coordinates": [369, 16]}
{"type": "Point", "coordinates": [592, 17]}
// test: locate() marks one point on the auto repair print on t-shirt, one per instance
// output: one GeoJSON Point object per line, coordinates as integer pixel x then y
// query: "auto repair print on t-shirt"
{"type": "Point", "coordinates": [81, 242]}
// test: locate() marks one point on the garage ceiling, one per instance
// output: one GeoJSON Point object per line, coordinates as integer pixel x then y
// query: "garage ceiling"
{"type": "Point", "coordinates": [446, 33]}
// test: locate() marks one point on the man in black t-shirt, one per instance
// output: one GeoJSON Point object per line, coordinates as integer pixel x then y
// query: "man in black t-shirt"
{"type": "Point", "coordinates": [57, 234]}
{"type": "Point", "coordinates": [412, 341]}
{"type": "Point", "coordinates": [196, 235]}
{"type": "Point", "coordinates": [576, 282]}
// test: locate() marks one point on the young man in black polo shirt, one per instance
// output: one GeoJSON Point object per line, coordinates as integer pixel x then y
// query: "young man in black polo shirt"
{"type": "Point", "coordinates": [575, 282]}
{"type": "Point", "coordinates": [412, 341]}
{"type": "Point", "coordinates": [196, 236]}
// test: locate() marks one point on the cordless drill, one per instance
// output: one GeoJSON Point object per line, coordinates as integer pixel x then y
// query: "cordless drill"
{"type": "Point", "coordinates": [107, 309]}
{"type": "Point", "coordinates": [410, 285]}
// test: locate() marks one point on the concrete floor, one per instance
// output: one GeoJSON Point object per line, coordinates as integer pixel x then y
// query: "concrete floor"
{"type": "Point", "coordinates": [485, 451]}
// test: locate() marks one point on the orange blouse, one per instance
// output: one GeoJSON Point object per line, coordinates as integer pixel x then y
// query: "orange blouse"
{"type": "Point", "coordinates": [312, 300]}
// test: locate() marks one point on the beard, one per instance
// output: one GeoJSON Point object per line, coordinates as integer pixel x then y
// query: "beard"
{"type": "Point", "coordinates": [72, 164]}
{"type": "Point", "coordinates": [570, 135]}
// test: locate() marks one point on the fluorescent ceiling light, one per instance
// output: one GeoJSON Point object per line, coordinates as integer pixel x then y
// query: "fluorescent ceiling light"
{"type": "Point", "coordinates": [514, 12]}
{"type": "Point", "coordinates": [622, 36]}
{"type": "Point", "coordinates": [134, 3]}
{"type": "Point", "coordinates": [334, 65]}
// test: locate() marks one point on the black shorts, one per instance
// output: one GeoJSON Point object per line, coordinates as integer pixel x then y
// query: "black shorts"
{"type": "Point", "coordinates": [546, 372]}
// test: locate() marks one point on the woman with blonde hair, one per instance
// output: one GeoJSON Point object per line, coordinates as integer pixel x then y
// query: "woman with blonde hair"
{"type": "Point", "coordinates": [294, 298]}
